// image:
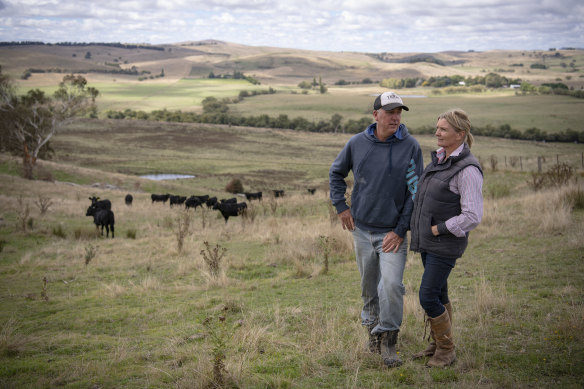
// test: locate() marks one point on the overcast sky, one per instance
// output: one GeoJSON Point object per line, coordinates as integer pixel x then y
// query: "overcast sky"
{"type": "Point", "coordinates": [334, 25]}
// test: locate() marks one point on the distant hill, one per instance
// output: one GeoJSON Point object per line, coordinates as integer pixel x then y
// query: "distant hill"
{"type": "Point", "coordinates": [280, 66]}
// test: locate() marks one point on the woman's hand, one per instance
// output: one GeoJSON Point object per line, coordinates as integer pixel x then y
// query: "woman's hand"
{"type": "Point", "coordinates": [435, 231]}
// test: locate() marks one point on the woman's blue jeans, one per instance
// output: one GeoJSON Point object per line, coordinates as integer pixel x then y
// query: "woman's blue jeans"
{"type": "Point", "coordinates": [434, 286]}
{"type": "Point", "coordinates": [382, 287]}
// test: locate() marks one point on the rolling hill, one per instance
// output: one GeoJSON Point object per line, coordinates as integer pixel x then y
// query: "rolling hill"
{"type": "Point", "coordinates": [277, 66]}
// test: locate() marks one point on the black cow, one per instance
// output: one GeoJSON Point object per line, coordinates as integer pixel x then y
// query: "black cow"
{"type": "Point", "coordinates": [177, 200]}
{"type": "Point", "coordinates": [311, 190]}
{"type": "Point", "coordinates": [160, 198]}
{"type": "Point", "coordinates": [203, 198]}
{"type": "Point", "coordinates": [211, 202]}
{"type": "Point", "coordinates": [102, 218]}
{"type": "Point", "coordinates": [230, 209]}
{"type": "Point", "coordinates": [278, 192]}
{"type": "Point", "coordinates": [194, 202]}
{"type": "Point", "coordinates": [129, 198]}
{"type": "Point", "coordinates": [232, 200]}
{"type": "Point", "coordinates": [253, 196]}
{"type": "Point", "coordinates": [103, 204]}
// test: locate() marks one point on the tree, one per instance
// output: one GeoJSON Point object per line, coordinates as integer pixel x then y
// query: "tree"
{"type": "Point", "coordinates": [31, 120]}
{"type": "Point", "coordinates": [305, 85]}
{"type": "Point", "coordinates": [213, 105]}
{"type": "Point", "coordinates": [336, 122]}
{"type": "Point", "coordinates": [322, 87]}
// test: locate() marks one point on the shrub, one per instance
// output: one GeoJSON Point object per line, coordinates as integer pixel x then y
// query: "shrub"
{"type": "Point", "coordinates": [131, 233]}
{"type": "Point", "coordinates": [575, 197]}
{"type": "Point", "coordinates": [59, 232]}
{"type": "Point", "coordinates": [559, 174]}
{"type": "Point", "coordinates": [234, 186]}
{"type": "Point", "coordinates": [183, 223]}
{"type": "Point", "coordinates": [537, 181]}
{"type": "Point", "coordinates": [212, 257]}
{"type": "Point", "coordinates": [43, 203]}
{"type": "Point", "coordinates": [23, 211]}
{"type": "Point", "coordinates": [494, 162]}
{"type": "Point", "coordinates": [90, 253]}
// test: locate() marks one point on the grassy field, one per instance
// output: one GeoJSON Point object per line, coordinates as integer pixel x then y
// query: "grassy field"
{"type": "Point", "coordinates": [78, 310]}
{"type": "Point", "coordinates": [494, 108]}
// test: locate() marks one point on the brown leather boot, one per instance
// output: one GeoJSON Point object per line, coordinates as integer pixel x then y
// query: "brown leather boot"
{"type": "Point", "coordinates": [442, 329]}
{"type": "Point", "coordinates": [429, 351]}
{"type": "Point", "coordinates": [388, 353]}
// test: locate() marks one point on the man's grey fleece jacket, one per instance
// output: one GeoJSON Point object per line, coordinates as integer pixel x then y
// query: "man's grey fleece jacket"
{"type": "Point", "coordinates": [385, 179]}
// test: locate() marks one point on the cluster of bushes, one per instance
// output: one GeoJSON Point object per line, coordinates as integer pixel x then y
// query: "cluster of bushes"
{"type": "Point", "coordinates": [363, 81]}
{"type": "Point", "coordinates": [151, 77]}
{"type": "Point", "coordinates": [387, 57]}
{"type": "Point", "coordinates": [505, 131]}
{"type": "Point", "coordinates": [550, 89]}
{"type": "Point", "coordinates": [491, 80]}
{"type": "Point", "coordinates": [306, 85]}
{"type": "Point", "coordinates": [243, 94]}
{"type": "Point", "coordinates": [133, 71]}
{"type": "Point", "coordinates": [236, 75]}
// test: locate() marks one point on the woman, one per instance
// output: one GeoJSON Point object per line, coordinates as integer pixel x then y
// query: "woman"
{"type": "Point", "coordinates": [447, 206]}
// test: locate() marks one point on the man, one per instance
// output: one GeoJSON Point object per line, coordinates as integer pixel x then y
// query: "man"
{"type": "Point", "coordinates": [386, 162]}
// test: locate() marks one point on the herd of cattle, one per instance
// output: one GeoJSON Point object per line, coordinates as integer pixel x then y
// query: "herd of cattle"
{"type": "Point", "coordinates": [103, 216]}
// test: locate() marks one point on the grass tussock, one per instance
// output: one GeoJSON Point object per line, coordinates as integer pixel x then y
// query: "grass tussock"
{"type": "Point", "coordinates": [12, 343]}
{"type": "Point", "coordinates": [550, 210]}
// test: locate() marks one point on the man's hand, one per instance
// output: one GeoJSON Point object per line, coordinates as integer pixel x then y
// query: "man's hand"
{"type": "Point", "coordinates": [391, 242]}
{"type": "Point", "coordinates": [347, 220]}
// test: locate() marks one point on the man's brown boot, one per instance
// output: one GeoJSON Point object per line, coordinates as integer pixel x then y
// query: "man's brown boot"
{"type": "Point", "coordinates": [374, 343]}
{"type": "Point", "coordinates": [388, 353]}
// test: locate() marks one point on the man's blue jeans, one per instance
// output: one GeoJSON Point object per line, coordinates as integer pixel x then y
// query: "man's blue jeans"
{"type": "Point", "coordinates": [434, 286]}
{"type": "Point", "coordinates": [382, 287]}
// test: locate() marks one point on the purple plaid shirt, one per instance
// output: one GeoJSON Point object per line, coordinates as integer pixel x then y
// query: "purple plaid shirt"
{"type": "Point", "coordinates": [468, 183]}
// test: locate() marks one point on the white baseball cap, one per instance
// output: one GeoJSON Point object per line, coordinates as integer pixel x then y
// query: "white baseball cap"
{"type": "Point", "coordinates": [388, 101]}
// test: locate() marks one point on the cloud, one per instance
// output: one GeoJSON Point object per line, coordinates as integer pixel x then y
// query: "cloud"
{"type": "Point", "coordinates": [340, 25]}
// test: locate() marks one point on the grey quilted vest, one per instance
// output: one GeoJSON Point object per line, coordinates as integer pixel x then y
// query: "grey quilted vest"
{"type": "Point", "coordinates": [435, 203]}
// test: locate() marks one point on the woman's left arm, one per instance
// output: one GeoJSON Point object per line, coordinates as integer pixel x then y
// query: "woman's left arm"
{"type": "Point", "coordinates": [469, 185]}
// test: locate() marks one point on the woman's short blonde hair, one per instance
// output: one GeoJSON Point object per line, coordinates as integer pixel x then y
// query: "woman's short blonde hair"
{"type": "Point", "coordinates": [459, 120]}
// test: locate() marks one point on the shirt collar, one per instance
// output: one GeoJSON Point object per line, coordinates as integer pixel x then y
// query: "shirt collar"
{"type": "Point", "coordinates": [441, 153]}
{"type": "Point", "coordinates": [371, 132]}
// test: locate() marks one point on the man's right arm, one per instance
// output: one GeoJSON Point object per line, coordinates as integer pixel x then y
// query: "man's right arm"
{"type": "Point", "coordinates": [338, 172]}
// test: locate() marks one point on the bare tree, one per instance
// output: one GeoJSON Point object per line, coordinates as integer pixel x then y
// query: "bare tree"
{"type": "Point", "coordinates": [31, 120]}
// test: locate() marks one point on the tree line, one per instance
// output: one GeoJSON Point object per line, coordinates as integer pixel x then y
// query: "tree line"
{"type": "Point", "coordinates": [216, 111]}
{"type": "Point", "coordinates": [133, 71]}
{"type": "Point", "coordinates": [491, 80]}
{"type": "Point", "coordinates": [110, 44]}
